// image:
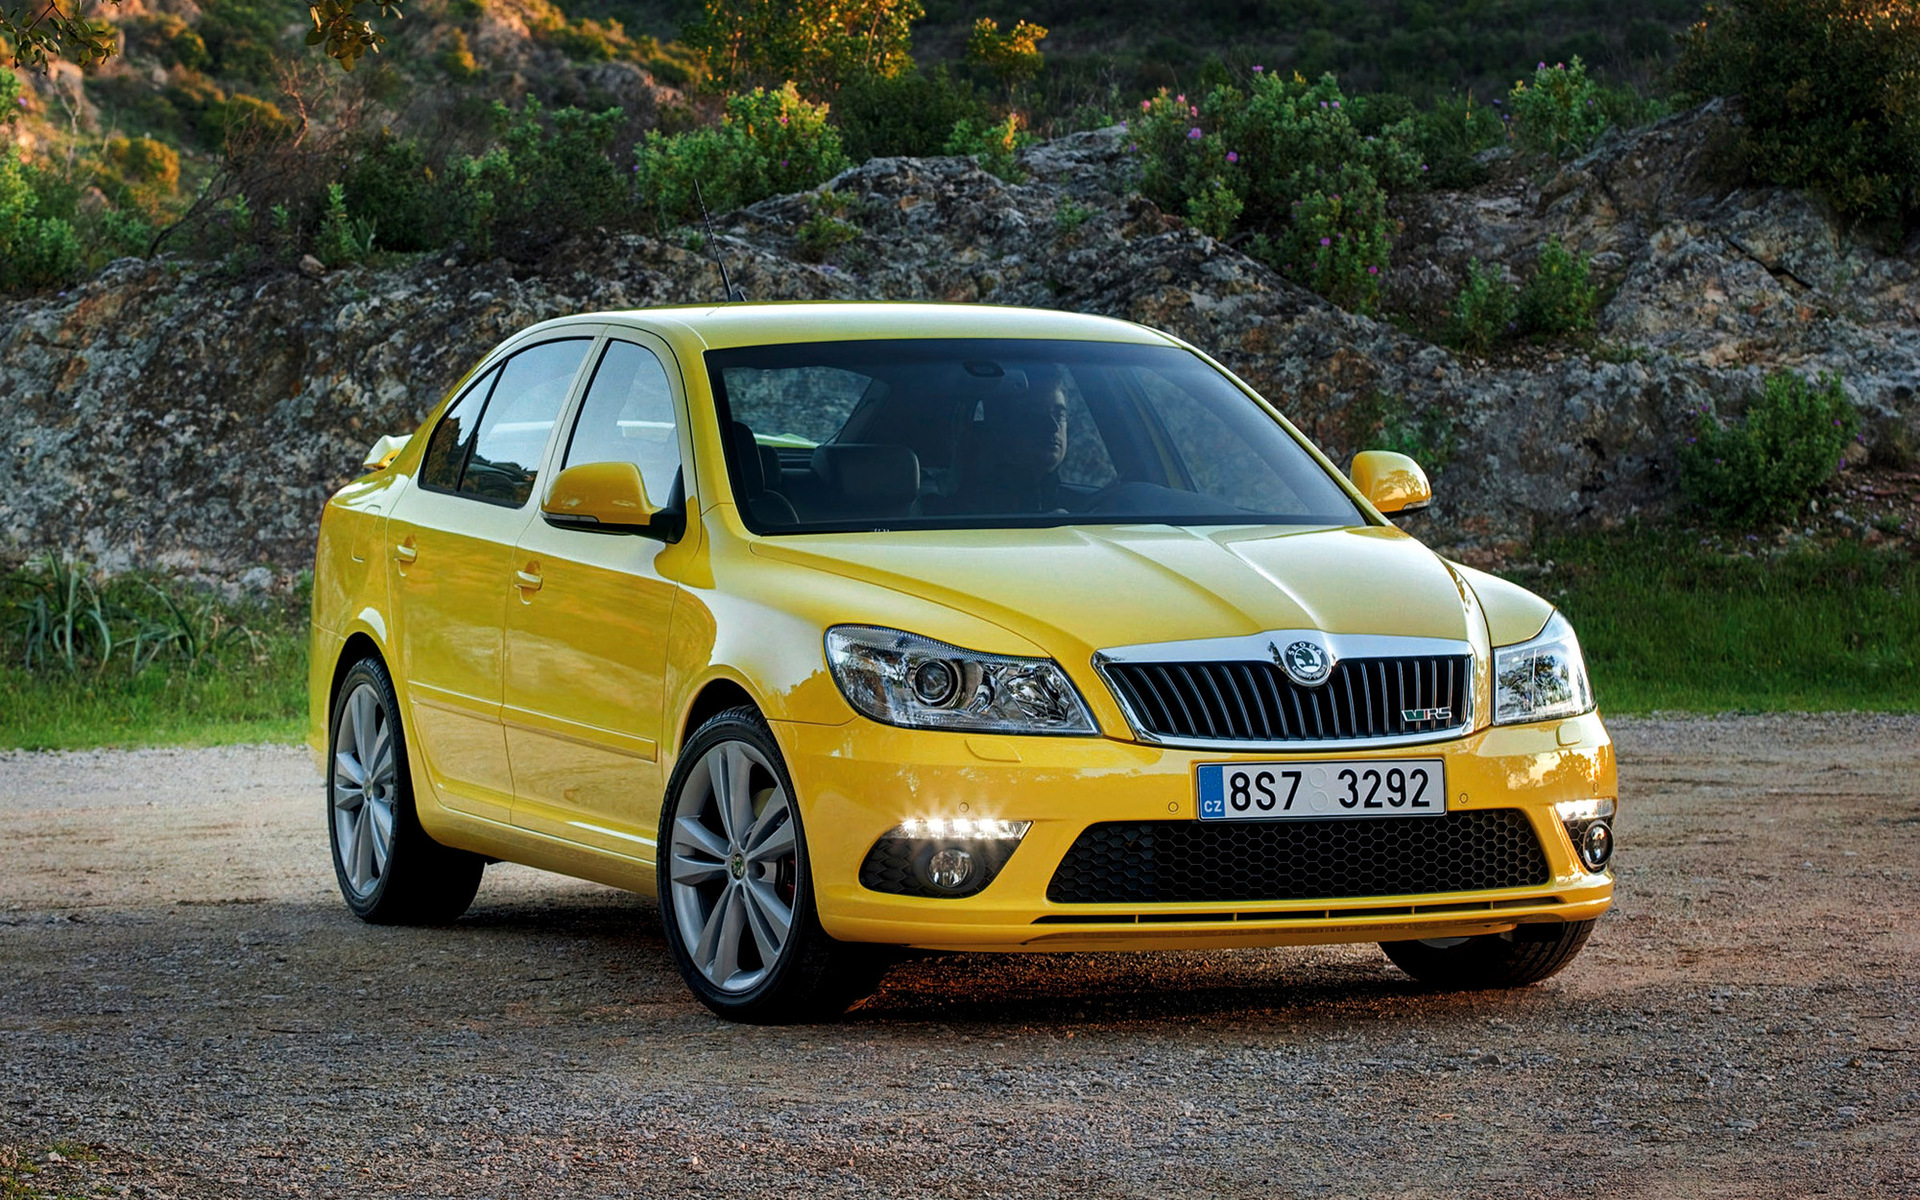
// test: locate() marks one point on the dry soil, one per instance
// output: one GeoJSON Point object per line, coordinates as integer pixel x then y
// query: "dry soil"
{"type": "Point", "coordinates": [189, 1010]}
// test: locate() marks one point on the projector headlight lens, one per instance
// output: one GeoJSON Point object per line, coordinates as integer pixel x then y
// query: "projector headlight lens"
{"type": "Point", "coordinates": [905, 679]}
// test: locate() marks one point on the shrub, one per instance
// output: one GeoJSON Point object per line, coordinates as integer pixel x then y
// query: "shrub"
{"type": "Point", "coordinates": [1766, 465]}
{"type": "Point", "coordinates": [35, 250]}
{"type": "Point", "coordinates": [456, 57]}
{"type": "Point", "coordinates": [1310, 183]}
{"type": "Point", "coordinates": [1560, 112]}
{"type": "Point", "coordinates": [994, 145]}
{"type": "Point", "coordinates": [767, 143]}
{"type": "Point", "coordinates": [821, 44]}
{"type": "Point", "coordinates": [1215, 209]}
{"type": "Point", "coordinates": [826, 229]}
{"type": "Point", "coordinates": [1014, 56]}
{"type": "Point", "coordinates": [387, 181]}
{"type": "Point", "coordinates": [1483, 313]}
{"type": "Point", "coordinates": [11, 101]}
{"type": "Point", "coordinates": [1830, 91]}
{"type": "Point", "coordinates": [912, 113]}
{"type": "Point", "coordinates": [1558, 299]}
{"type": "Point", "coordinates": [343, 239]}
{"type": "Point", "coordinates": [548, 175]}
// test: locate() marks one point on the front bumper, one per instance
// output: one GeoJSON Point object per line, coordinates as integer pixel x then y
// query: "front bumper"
{"type": "Point", "coordinates": [858, 781]}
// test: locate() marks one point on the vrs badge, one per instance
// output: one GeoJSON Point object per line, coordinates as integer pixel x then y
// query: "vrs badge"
{"type": "Point", "coordinates": [1306, 663]}
{"type": "Point", "coordinates": [1410, 715]}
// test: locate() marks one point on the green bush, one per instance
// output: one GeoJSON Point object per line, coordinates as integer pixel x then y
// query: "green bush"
{"type": "Point", "coordinates": [387, 181]}
{"type": "Point", "coordinates": [1830, 92]}
{"type": "Point", "coordinates": [1311, 185]}
{"type": "Point", "coordinates": [820, 43]}
{"type": "Point", "coordinates": [1560, 112]}
{"type": "Point", "coordinates": [343, 239]}
{"type": "Point", "coordinates": [1766, 465]}
{"type": "Point", "coordinates": [826, 228]}
{"type": "Point", "coordinates": [909, 114]}
{"type": "Point", "coordinates": [768, 143]}
{"type": "Point", "coordinates": [1558, 299]}
{"type": "Point", "coordinates": [35, 250]}
{"type": "Point", "coordinates": [1483, 313]}
{"type": "Point", "coordinates": [548, 175]}
{"type": "Point", "coordinates": [993, 144]}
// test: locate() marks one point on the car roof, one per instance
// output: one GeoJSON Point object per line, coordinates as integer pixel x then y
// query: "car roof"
{"type": "Point", "coordinates": [723, 326]}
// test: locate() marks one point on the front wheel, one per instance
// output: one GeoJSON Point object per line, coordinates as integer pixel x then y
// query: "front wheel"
{"type": "Point", "coordinates": [1524, 954]}
{"type": "Point", "coordinates": [736, 896]}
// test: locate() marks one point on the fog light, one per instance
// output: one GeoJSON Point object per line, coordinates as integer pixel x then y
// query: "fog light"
{"type": "Point", "coordinates": [1590, 827]}
{"type": "Point", "coordinates": [1596, 845]}
{"type": "Point", "coordinates": [949, 868]}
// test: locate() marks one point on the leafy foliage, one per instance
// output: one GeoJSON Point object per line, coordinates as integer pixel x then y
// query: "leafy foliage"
{"type": "Point", "coordinates": [1559, 298]}
{"type": "Point", "coordinates": [994, 145]}
{"type": "Point", "coordinates": [1311, 185]}
{"type": "Point", "coordinates": [1483, 313]}
{"type": "Point", "coordinates": [35, 250]}
{"type": "Point", "coordinates": [1765, 465]}
{"type": "Point", "coordinates": [826, 228]}
{"type": "Point", "coordinates": [547, 175]}
{"type": "Point", "coordinates": [1830, 91]}
{"type": "Point", "coordinates": [912, 113]}
{"type": "Point", "coordinates": [343, 239]}
{"type": "Point", "coordinates": [1560, 112]}
{"type": "Point", "coordinates": [766, 144]}
{"type": "Point", "coordinates": [820, 44]}
{"type": "Point", "coordinates": [1014, 56]}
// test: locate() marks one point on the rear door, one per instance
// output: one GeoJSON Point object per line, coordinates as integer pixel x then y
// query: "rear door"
{"type": "Point", "coordinates": [587, 634]}
{"type": "Point", "coordinates": [450, 543]}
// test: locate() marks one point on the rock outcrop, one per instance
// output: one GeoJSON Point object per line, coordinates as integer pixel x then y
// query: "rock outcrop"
{"type": "Point", "coordinates": [167, 414]}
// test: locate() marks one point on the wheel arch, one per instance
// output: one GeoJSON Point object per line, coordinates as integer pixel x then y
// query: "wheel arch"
{"type": "Point", "coordinates": [713, 696]}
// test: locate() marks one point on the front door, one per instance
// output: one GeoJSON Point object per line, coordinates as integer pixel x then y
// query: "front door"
{"type": "Point", "coordinates": [587, 630]}
{"type": "Point", "coordinates": [450, 547]}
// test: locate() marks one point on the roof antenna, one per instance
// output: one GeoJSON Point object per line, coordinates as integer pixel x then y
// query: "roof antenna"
{"type": "Point", "coordinates": [730, 293]}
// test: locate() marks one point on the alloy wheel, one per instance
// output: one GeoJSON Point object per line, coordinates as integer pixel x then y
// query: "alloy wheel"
{"type": "Point", "coordinates": [364, 789]}
{"type": "Point", "coordinates": [733, 866]}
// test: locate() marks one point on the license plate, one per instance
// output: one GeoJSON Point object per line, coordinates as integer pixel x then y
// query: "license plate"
{"type": "Point", "coordinates": [1279, 791]}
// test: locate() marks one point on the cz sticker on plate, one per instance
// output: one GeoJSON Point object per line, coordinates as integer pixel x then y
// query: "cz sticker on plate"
{"type": "Point", "coordinates": [1278, 791]}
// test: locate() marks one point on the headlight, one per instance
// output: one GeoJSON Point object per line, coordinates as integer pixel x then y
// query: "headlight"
{"type": "Point", "coordinates": [1541, 679]}
{"type": "Point", "coordinates": [904, 679]}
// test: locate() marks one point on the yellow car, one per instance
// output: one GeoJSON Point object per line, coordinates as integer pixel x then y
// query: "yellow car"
{"type": "Point", "coordinates": [852, 627]}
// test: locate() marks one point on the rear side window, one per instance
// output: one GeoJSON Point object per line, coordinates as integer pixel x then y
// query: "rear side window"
{"type": "Point", "coordinates": [453, 437]}
{"type": "Point", "coordinates": [519, 419]}
{"type": "Point", "coordinates": [628, 417]}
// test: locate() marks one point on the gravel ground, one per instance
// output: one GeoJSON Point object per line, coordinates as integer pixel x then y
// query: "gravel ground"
{"type": "Point", "coordinates": [189, 1010]}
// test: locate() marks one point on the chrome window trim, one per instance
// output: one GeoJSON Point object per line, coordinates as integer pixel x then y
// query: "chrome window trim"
{"type": "Point", "coordinates": [1264, 647]}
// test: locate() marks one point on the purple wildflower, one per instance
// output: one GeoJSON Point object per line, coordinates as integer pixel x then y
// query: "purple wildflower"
{"type": "Point", "coordinates": [1336, 104]}
{"type": "Point", "coordinates": [1540, 66]}
{"type": "Point", "coordinates": [1233, 156]}
{"type": "Point", "coordinates": [1194, 133]}
{"type": "Point", "coordinates": [1373, 270]}
{"type": "Point", "coordinates": [1257, 68]}
{"type": "Point", "coordinates": [1326, 241]}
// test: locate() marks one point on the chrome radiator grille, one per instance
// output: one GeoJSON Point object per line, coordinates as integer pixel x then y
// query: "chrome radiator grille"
{"type": "Point", "coordinates": [1363, 698]}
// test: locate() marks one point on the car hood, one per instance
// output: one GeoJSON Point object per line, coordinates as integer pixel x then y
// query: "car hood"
{"type": "Point", "coordinates": [1073, 591]}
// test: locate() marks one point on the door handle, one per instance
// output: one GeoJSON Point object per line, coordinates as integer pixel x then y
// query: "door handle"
{"type": "Point", "coordinates": [527, 581]}
{"type": "Point", "coordinates": [405, 551]}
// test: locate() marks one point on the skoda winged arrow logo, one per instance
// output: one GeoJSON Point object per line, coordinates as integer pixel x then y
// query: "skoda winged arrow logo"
{"type": "Point", "coordinates": [1306, 663]}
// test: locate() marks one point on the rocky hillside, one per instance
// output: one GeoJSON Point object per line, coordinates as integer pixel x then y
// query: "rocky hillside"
{"type": "Point", "coordinates": [180, 417]}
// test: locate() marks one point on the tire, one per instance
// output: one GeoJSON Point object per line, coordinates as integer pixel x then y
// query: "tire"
{"type": "Point", "coordinates": [1526, 954]}
{"type": "Point", "coordinates": [417, 881]}
{"type": "Point", "coordinates": [731, 874]}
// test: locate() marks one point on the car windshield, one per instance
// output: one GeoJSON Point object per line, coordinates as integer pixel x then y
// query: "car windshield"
{"type": "Point", "coordinates": [980, 434]}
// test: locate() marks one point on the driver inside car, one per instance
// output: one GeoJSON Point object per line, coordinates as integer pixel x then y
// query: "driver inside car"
{"type": "Point", "coordinates": [1012, 450]}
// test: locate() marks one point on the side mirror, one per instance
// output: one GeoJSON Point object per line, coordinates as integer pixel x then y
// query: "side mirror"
{"type": "Point", "coordinates": [1391, 482]}
{"type": "Point", "coordinates": [603, 497]}
{"type": "Point", "coordinates": [385, 451]}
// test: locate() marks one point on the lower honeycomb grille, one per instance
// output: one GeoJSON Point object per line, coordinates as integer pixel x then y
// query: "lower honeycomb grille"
{"type": "Point", "coordinates": [1202, 862]}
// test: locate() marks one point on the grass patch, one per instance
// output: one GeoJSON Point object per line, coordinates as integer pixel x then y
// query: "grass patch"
{"type": "Point", "coordinates": [137, 660]}
{"type": "Point", "coordinates": [1670, 619]}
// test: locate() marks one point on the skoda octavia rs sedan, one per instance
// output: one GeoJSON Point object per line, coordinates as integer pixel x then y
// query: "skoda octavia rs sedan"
{"type": "Point", "coordinates": [851, 627]}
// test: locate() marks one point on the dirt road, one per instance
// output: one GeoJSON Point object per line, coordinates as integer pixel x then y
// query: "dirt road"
{"type": "Point", "coordinates": [187, 1009]}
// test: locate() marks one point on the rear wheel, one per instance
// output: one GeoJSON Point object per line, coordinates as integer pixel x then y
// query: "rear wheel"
{"type": "Point", "coordinates": [736, 896]}
{"type": "Point", "coordinates": [1522, 955]}
{"type": "Point", "coordinates": [389, 870]}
